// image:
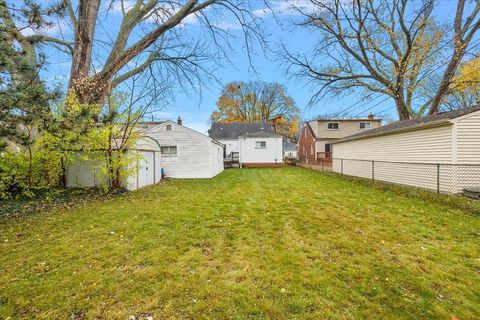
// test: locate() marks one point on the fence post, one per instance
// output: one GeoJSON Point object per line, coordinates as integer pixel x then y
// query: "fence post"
{"type": "Point", "coordinates": [438, 178]}
{"type": "Point", "coordinates": [373, 170]}
{"type": "Point", "coordinates": [321, 160]}
{"type": "Point", "coordinates": [341, 161]}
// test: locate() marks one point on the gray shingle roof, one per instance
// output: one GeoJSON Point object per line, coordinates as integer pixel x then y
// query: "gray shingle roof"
{"type": "Point", "coordinates": [405, 124]}
{"type": "Point", "coordinates": [234, 130]}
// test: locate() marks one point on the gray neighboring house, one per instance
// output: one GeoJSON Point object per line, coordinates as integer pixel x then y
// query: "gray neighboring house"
{"type": "Point", "coordinates": [255, 144]}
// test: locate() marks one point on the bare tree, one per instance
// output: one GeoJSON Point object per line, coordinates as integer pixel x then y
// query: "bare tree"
{"type": "Point", "coordinates": [385, 47]}
{"type": "Point", "coordinates": [258, 102]}
{"type": "Point", "coordinates": [150, 30]}
{"type": "Point", "coordinates": [464, 30]}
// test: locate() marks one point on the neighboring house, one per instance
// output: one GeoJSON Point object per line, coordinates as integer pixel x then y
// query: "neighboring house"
{"type": "Point", "coordinates": [256, 144]}
{"type": "Point", "coordinates": [87, 173]}
{"type": "Point", "coordinates": [289, 149]}
{"type": "Point", "coordinates": [407, 152]}
{"type": "Point", "coordinates": [187, 153]}
{"type": "Point", "coordinates": [165, 148]}
{"type": "Point", "coordinates": [317, 135]}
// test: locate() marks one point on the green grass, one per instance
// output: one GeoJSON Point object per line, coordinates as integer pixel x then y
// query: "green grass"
{"type": "Point", "coordinates": [283, 243]}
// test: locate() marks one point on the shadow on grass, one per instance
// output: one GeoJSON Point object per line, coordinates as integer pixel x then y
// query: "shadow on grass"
{"type": "Point", "coordinates": [51, 199]}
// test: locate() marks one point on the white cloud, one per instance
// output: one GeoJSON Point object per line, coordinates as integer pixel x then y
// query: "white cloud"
{"type": "Point", "coordinates": [53, 29]}
{"type": "Point", "coordinates": [201, 127]}
{"type": "Point", "coordinates": [286, 7]}
{"type": "Point", "coordinates": [116, 6]}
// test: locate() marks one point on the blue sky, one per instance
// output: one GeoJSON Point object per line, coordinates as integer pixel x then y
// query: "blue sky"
{"type": "Point", "coordinates": [195, 110]}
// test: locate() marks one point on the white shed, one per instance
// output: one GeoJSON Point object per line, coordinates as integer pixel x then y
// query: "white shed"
{"type": "Point", "coordinates": [438, 152]}
{"type": "Point", "coordinates": [187, 153]}
{"type": "Point", "coordinates": [85, 172]}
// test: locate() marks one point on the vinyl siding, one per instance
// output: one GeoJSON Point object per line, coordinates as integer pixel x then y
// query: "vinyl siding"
{"type": "Point", "coordinates": [468, 152]}
{"type": "Point", "coordinates": [216, 159]}
{"type": "Point", "coordinates": [194, 152]}
{"type": "Point", "coordinates": [346, 128]}
{"type": "Point", "coordinates": [422, 148]}
{"type": "Point", "coordinates": [231, 145]}
{"type": "Point", "coordinates": [468, 139]}
{"type": "Point", "coordinates": [271, 154]}
{"type": "Point", "coordinates": [431, 145]}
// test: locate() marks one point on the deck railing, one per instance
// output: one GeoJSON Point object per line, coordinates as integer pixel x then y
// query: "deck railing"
{"type": "Point", "coordinates": [324, 155]}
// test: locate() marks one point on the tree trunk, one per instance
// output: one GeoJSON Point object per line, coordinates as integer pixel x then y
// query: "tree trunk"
{"type": "Point", "coordinates": [63, 176]}
{"type": "Point", "coordinates": [447, 78]}
{"type": "Point", "coordinates": [402, 110]}
{"type": "Point", "coordinates": [80, 81]}
{"type": "Point", "coordinates": [30, 167]}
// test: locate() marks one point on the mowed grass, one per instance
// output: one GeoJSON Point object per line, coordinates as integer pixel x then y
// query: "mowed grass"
{"type": "Point", "coordinates": [284, 243]}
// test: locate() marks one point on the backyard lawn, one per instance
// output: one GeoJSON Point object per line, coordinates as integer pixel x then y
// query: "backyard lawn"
{"type": "Point", "coordinates": [284, 243]}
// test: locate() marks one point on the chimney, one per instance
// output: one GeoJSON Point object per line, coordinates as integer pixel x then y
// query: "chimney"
{"type": "Point", "coordinates": [371, 116]}
{"type": "Point", "coordinates": [179, 121]}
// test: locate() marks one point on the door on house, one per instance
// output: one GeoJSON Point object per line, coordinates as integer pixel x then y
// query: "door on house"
{"type": "Point", "coordinates": [328, 151]}
{"type": "Point", "coordinates": [146, 168]}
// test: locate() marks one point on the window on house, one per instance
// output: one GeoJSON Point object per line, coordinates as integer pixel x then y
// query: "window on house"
{"type": "Point", "coordinates": [169, 150]}
{"type": "Point", "coordinates": [168, 127]}
{"type": "Point", "coordinates": [365, 125]}
{"type": "Point", "coordinates": [333, 125]}
{"type": "Point", "coordinates": [260, 144]}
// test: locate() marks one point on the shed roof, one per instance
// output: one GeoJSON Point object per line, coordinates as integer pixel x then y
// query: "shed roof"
{"type": "Point", "coordinates": [411, 123]}
{"type": "Point", "coordinates": [234, 130]}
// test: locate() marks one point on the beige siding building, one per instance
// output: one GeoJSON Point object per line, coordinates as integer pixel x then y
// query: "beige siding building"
{"type": "Point", "coordinates": [317, 135]}
{"type": "Point", "coordinates": [434, 152]}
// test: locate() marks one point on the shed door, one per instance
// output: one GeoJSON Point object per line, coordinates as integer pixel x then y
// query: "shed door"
{"type": "Point", "coordinates": [146, 169]}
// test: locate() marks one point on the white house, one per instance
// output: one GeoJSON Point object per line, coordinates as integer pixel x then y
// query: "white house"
{"type": "Point", "coordinates": [186, 153]}
{"type": "Point", "coordinates": [289, 149]}
{"type": "Point", "coordinates": [440, 151]}
{"type": "Point", "coordinates": [85, 172]}
{"type": "Point", "coordinates": [260, 150]}
{"type": "Point", "coordinates": [255, 144]}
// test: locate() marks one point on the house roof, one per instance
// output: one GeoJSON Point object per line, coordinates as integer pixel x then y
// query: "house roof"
{"type": "Point", "coordinates": [259, 134]}
{"type": "Point", "coordinates": [442, 117]}
{"type": "Point", "coordinates": [312, 132]}
{"type": "Point", "coordinates": [152, 129]}
{"type": "Point", "coordinates": [234, 130]}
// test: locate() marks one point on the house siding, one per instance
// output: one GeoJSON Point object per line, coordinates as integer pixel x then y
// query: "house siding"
{"type": "Point", "coordinates": [195, 153]}
{"type": "Point", "coordinates": [346, 128]}
{"type": "Point", "coordinates": [216, 159]}
{"type": "Point", "coordinates": [467, 141]}
{"type": "Point", "coordinates": [272, 154]}
{"type": "Point", "coordinates": [422, 147]}
{"type": "Point", "coordinates": [231, 145]}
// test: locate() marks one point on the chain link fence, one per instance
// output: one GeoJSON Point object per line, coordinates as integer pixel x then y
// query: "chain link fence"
{"type": "Point", "coordinates": [438, 177]}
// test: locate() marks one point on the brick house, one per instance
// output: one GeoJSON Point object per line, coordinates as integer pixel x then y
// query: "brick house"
{"type": "Point", "coordinates": [317, 135]}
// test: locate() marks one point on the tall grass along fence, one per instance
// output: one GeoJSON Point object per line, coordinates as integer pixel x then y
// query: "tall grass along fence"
{"type": "Point", "coordinates": [438, 177]}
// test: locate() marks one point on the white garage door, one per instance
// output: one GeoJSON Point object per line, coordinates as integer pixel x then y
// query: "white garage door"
{"type": "Point", "coordinates": [146, 170]}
